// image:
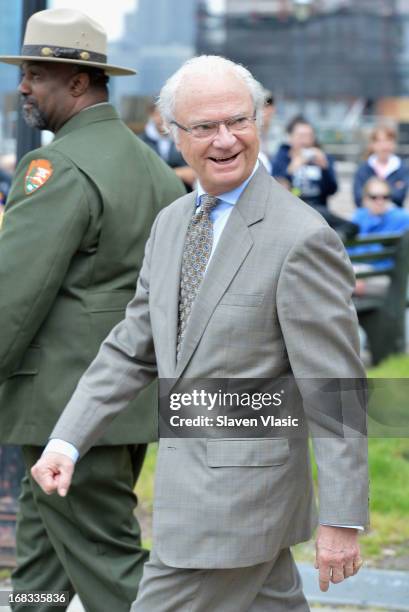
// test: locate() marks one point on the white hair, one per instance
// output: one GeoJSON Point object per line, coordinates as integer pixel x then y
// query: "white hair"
{"type": "Point", "coordinates": [207, 66]}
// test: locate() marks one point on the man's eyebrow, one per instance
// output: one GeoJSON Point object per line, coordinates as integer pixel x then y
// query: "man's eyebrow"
{"type": "Point", "coordinates": [236, 116]}
{"type": "Point", "coordinates": [37, 65]}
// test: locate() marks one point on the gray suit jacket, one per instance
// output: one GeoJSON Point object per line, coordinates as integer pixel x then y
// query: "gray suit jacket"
{"type": "Point", "coordinates": [275, 301]}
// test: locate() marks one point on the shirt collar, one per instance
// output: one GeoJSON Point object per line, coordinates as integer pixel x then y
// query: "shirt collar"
{"type": "Point", "coordinates": [392, 165]}
{"type": "Point", "coordinates": [231, 197]}
{"type": "Point", "coordinates": [94, 105]}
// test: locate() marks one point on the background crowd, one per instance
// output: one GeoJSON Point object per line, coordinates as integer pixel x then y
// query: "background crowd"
{"type": "Point", "coordinates": [301, 164]}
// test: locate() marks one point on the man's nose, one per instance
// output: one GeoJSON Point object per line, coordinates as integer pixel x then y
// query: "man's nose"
{"type": "Point", "coordinates": [224, 138]}
{"type": "Point", "coordinates": [24, 87]}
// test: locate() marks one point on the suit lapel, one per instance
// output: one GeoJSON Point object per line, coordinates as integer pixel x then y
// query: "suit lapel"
{"type": "Point", "coordinates": [232, 249]}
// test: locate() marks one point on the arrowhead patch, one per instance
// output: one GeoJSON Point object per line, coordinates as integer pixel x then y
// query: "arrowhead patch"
{"type": "Point", "coordinates": [38, 173]}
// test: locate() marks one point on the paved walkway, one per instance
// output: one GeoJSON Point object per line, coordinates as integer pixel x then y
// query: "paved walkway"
{"type": "Point", "coordinates": [372, 590]}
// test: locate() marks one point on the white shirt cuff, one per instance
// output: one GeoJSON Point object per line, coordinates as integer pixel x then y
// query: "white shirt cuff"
{"type": "Point", "coordinates": [359, 527]}
{"type": "Point", "coordinates": [55, 445]}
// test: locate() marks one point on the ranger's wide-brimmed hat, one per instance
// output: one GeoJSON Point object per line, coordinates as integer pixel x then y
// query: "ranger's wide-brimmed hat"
{"type": "Point", "coordinates": [65, 36]}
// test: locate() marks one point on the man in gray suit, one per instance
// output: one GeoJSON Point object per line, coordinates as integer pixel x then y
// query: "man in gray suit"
{"type": "Point", "coordinates": [240, 280]}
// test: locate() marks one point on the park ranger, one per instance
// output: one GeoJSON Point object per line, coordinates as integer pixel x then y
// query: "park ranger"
{"type": "Point", "coordinates": [72, 241]}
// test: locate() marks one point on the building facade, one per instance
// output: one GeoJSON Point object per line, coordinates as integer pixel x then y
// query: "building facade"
{"type": "Point", "coordinates": [321, 50]}
{"type": "Point", "coordinates": [158, 37]}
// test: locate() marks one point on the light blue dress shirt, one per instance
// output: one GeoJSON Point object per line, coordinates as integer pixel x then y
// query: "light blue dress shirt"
{"type": "Point", "coordinates": [221, 212]}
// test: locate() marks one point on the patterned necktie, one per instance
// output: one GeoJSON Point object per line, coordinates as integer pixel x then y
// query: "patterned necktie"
{"type": "Point", "coordinates": [196, 253]}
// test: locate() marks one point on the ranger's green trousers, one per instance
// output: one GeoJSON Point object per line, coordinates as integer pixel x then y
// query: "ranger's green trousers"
{"type": "Point", "coordinates": [88, 542]}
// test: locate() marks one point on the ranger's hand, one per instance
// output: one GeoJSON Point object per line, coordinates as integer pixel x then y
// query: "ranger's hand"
{"type": "Point", "coordinates": [337, 554]}
{"type": "Point", "coordinates": [53, 472]}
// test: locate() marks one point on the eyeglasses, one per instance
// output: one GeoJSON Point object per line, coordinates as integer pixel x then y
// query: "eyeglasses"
{"type": "Point", "coordinates": [379, 196]}
{"type": "Point", "coordinates": [209, 129]}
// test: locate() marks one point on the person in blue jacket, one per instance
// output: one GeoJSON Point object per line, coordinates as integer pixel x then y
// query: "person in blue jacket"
{"type": "Point", "coordinates": [384, 164]}
{"type": "Point", "coordinates": [378, 215]}
{"type": "Point", "coordinates": [303, 166]}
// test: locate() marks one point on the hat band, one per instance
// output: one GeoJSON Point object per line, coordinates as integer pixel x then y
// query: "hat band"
{"type": "Point", "coordinates": [49, 51]}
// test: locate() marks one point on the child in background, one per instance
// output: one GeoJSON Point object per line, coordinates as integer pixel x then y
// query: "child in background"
{"type": "Point", "coordinates": [383, 163]}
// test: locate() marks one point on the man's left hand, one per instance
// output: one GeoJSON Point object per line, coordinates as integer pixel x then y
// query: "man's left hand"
{"type": "Point", "coordinates": [337, 554]}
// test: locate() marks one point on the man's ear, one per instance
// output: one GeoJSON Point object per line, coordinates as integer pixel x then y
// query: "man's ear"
{"type": "Point", "coordinates": [79, 84]}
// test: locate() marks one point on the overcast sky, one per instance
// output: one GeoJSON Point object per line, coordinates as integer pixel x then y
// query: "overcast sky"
{"type": "Point", "coordinates": [110, 14]}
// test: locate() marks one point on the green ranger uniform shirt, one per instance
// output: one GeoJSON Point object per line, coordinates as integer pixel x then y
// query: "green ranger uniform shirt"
{"type": "Point", "coordinates": [71, 245]}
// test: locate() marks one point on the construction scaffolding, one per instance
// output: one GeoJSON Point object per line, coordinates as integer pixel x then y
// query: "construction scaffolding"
{"type": "Point", "coordinates": [316, 49]}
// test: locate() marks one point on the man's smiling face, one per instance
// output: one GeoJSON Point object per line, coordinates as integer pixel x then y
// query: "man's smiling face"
{"type": "Point", "coordinates": [223, 161]}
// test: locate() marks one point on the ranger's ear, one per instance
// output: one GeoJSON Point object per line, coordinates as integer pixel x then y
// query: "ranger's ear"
{"type": "Point", "coordinates": [79, 84]}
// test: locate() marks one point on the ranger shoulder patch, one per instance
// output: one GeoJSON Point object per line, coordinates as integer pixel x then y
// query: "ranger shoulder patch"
{"type": "Point", "coordinates": [38, 173]}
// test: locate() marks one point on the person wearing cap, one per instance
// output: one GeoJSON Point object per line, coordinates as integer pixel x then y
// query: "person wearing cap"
{"type": "Point", "coordinates": [71, 245]}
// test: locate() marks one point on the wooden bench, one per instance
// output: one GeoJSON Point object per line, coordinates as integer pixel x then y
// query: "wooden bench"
{"type": "Point", "coordinates": [383, 316]}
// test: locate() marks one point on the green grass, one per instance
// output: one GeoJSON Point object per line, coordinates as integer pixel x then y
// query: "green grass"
{"type": "Point", "coordinates": [389, 474]}
{"type": "Point", "coordinates": [144, 487]}
{"type": "Point", "coordinates": [389, 499]}
{"type": "Point", "coordinates": [393, 367]}
{"type": "Point", "coordinates": [389, 469]}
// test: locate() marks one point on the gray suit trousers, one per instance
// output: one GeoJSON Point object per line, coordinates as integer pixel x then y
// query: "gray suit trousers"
{"type": "Point", "coordinates": [273, 586]}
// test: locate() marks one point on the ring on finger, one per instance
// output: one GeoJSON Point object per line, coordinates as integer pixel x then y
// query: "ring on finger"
{"type": "Point", "coordinates": [336, 572]}
{"type": "Point", "coordinates": [348, 569]}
